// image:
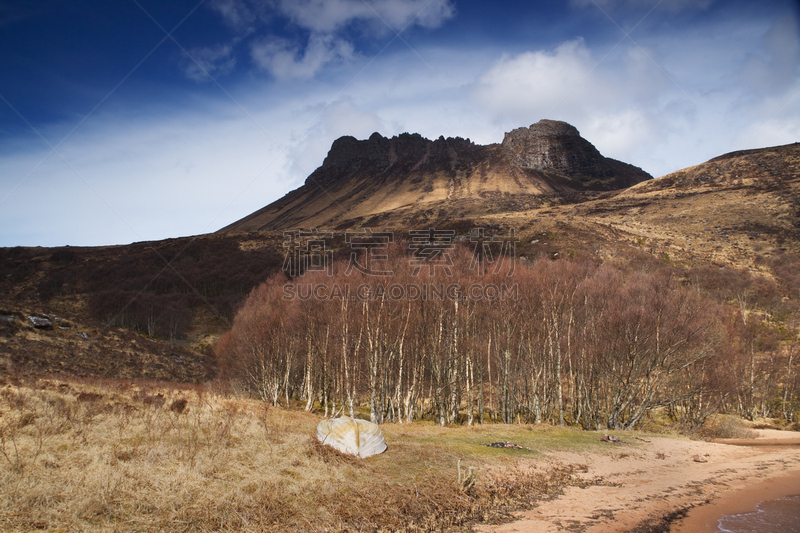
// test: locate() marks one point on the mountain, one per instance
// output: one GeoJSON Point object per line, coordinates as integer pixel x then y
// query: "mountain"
{"type": "Point", "coordinates": [154, 310]}
{"type": "Point", "coordinates": [409, 174]}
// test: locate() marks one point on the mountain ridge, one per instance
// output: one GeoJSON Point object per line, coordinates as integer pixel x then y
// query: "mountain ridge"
{"type": "Point", "coordinates": [366, 178]}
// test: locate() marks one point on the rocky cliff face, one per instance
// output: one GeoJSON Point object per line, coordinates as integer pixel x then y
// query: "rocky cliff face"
{"type": "Point", "coordinates": [557, 147]}
{"type": "Point", "coordinates": [551, 144]}
{"type": "Point", "coordinates": [396, 157]}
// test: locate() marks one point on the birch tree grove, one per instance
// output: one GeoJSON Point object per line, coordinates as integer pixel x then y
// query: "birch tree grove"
{"type": "Point", "coordinates": [574, 342]}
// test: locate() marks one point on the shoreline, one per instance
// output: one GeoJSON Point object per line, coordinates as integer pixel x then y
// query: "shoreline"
{"type": "Point", "coordinates": [657, 482]}
{"type": "Point", "coordinates": [704, 518]}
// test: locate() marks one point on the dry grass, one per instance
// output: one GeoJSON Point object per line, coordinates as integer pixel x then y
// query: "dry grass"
{"type": "Point", "coordinates": [726, 427]}
{"type": "Point", "coordinates": [102, 456]}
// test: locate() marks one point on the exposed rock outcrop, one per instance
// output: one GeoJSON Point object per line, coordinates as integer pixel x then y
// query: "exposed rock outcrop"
{"type": "Point", "coordinates": [395, 157]}
{"type": "Point", "coordinates": [557, 147]}
{"type": "Point", "coordinates": [39, 322]}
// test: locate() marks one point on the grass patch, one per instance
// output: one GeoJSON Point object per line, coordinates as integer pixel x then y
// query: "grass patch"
{"type": "Point", "coordinates": [726, 427]}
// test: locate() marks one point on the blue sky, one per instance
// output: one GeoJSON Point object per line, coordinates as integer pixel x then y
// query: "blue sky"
{"type": "Point", "coordinates": [133, 120]}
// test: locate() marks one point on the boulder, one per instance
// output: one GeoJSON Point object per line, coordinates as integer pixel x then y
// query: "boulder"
{"type": "Point", "coordinates": [352, 436]}
{"type": "Point", "coordinates": [41, 322]}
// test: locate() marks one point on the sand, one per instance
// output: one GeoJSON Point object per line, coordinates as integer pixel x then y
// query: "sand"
{"type": "Point", "coordinates": [658, 481]}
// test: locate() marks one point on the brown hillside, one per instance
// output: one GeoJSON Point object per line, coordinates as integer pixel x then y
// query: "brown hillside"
{"type": "Point", "coordinates": [728, 210]}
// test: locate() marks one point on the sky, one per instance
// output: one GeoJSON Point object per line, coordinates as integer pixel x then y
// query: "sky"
{"type": "Point", "coordinates": [135, 120]}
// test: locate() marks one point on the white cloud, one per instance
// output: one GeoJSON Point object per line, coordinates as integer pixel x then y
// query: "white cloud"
{"type": "Point", "coordinates": [285, 60]}
{"type": "Point", "coordinates": [770, 121]}
{"type": "Point", "coordinates": [662, 105]}
{"type": "Point", "coordinates": [324, 20]}
{"type": "Point", "coordinates": [239, 15]}
{"type": "Point", "coordinates": [538, 82]}
{"type": "Point", "coordinates": [327, 16]}
{"type": "Point", "coordinates": [214, 61]}
{"type": "Point", "coordinates": [770, 132]}
{"type": "Point", "coordinates": [125, 179]}
{"type": "Point", "coordinates": [570, 83]}
{"type": "Point", "coordinates": [571, 80]}
{"type": "Point", "coordinates": [346, 118]}
{"type": "Point", "coordinates": [620, 132]}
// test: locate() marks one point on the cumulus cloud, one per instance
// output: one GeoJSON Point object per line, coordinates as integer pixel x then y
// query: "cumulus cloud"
{"type": "Point", "coordinates": [532, 82]}
{"type": "Point", "coordinates": [286, 60]}
{"type": "Point", "coordinates": [324, 23]}
{"type": "Point", "coordinates": [327, 16]}
{"type": "Point", "coordinates": [621, 131]}
{"type": "Point", "coordinates": [623, 102]}
{"type": "Point", "coordinates": [569, 81]}
{"type": "Point", "coordinates": [661, 105]}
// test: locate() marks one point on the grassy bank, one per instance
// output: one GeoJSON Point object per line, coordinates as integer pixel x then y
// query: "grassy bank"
{"type": "Point", "coordinates": [98, 456]}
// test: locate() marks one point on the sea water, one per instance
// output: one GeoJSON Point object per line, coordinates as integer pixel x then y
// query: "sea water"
{"type": "Point", "coordinates": [771, 516]}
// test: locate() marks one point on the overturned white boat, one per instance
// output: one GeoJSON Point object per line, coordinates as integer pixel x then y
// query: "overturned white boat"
{"type": "Point", "coordinates": [352, 436]}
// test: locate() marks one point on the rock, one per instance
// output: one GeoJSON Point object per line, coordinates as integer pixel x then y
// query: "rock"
{"type": "Point", "coordinates": [352, 436]}
{"type": "Point", "coordinates": [549, 144]}
{"type": "Point", "coordinates": [700, 458]}
{"type": "Point", "coordinates": [506, 445]}
{"type": "Point", "coordinates": [40, 322]}
{"type": "Point", "coordinates": [613, 440]}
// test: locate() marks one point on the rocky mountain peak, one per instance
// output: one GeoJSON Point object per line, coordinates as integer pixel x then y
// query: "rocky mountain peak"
{"type": "Point", "coordinates": [552, 144]}
{"type": "Point", "coordinates": [379, 156]}
{"type": "Point", "coordinates": [557, 148]}
{"type": "Point", "coordinates": [550, 147]}
{"type": "Point", "coordinates": [378, 177]}
{"type": "Point", "coordinates": [545, 128]}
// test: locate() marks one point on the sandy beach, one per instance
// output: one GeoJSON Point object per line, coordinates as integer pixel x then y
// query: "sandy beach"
{"type": "Point", "coordinates": [660, 481]}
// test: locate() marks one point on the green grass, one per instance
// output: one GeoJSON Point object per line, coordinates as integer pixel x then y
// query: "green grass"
{"type": "Point", "coordinates": [471, 441]}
